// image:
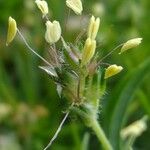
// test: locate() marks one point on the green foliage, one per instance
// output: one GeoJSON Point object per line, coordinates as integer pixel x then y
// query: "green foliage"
{"type": "Point", "coordinates": [23, 86]}
{"type": "Point", "coordinates": [121, 99]}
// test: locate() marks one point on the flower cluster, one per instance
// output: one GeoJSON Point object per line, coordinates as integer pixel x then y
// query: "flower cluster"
{"type": "Point", "coordinates": [80, 76]}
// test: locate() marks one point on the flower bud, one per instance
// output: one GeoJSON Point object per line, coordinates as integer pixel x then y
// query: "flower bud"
{"type": "Point", "coordinates": [88, 51]}
{"type": "Point", "coordinates": [93, 27]}
{"type": "Point", "coordinates": [53, 32]}
{"type": "Point", "coordinates": [42, 5]}
{"type": "Point", "coordinates": [75, 5]}
{"type": "Point", "coordinates": [12, 30]}
{"type": "Point", "coordinates": [130, 44]}
{"type": "Point", "coordinates": [112, 70]}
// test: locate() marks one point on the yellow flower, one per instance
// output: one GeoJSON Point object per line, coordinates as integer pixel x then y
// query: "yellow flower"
{"type": "Point", "coordinates": [88, 51]}
{"type": "Point", "coordinates": [130, 44]}
{"type": "Point", "coordinates": [12, 30]}
{"type": "Point", "coordinates": [53, 32]}
{"type": "Point", "coordinates": [93, 27]}
{"type": "Point", "coordinates": [112, 70]}
{"type": "Point", "coordinates": [42, 5]}
{"type": "Point", "coordinates": [75, 5]}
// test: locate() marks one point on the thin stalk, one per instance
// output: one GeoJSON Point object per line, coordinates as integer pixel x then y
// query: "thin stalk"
{"type": "Point", "coordinates": [81, 85]}
{"type": "Point", "coordinates": [66, 21]}
{"type": "Point", "coordinates": [82, 32]}
{"type": "Point", "coordinates": [33, 51]}
{"type": "Point", "coordinates": [100, 134]}
{"type": "Point", "coordinates": [99, 62]}
{"type": "Point", "coordinates": [46, 17]}
{"type": "Point", "coordinates": [129, 143]}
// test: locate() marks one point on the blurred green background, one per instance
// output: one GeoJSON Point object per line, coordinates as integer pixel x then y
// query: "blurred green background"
{"type": "Point", "coordinates": [30, 108]}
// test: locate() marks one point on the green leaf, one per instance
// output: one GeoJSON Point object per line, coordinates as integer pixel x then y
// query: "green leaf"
{"type": "Point", "coordinates": [144, 101]}
{"type": "Point", "coordinates": [27, 74]}
{"type": "Point", "coordinates": [7, 89]}
{"type": "Point", "coordinates": [120, 100]}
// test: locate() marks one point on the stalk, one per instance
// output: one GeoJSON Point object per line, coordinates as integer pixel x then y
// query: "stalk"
{"type": "Point", "coordinates": [100, 134]}
{"type": "Point", "coordinates": [91, 121]}
{"type": "Point", "coordinates": [33, 51]}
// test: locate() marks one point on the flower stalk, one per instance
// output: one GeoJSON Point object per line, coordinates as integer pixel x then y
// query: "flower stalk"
{"type": "Point", "coordinates": [33, 51]}
{"type": "Point", "coordinates": [91, 121]}
{"type": "Point", "coordinates": [96, 127]}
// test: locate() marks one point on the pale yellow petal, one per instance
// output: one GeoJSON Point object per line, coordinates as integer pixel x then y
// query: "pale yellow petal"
{"type": "Point", "coordinates": [12, 30]}
{"type": "Point", "coordinates": [88, 51]}
{"type": "Point", "coordinates": [53, 32]}
{"type": "Point", "coordinates": [112, 70]}
{"type": "Point", "coordinates": [43, 6]}
{"type": "Point", "coordinates": [75, 5]}
{"type": "Point", "coordinates": [130, 44]}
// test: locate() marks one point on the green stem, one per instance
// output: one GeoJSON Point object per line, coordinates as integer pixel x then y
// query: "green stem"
{"type": "Point", "coordinates": [91, 121]}
{"type": "Point", "coordinates": [100, 134]}
{"type": "Point", "coordinates": [81, 87]}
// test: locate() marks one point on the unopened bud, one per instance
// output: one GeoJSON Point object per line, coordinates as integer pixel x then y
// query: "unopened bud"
{"type": "Point", "coordinates": [12, 29]}
{"type": "Point", "coordinates": [93, 27]}
{"type": "Point", "coordinates": [130, 44]}
{"type": "Point", "coordinates": [42, 5]}
{"type": "Point", "coordinates": [112, 70]}
{"type": "Point", "coordinates": [88, 51]}
{"type": "Point", "coordinates": [53, 32]}
{"type": "Point", "coordinates": [75, 5]}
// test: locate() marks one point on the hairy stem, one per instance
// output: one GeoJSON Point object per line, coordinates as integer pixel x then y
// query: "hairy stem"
{"type": "Point", "coordinates": [91, 121]}
{"type": "Point", "coordinates": [100, 134]}
{"type": "Point", "coordinates": [81, 87]}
